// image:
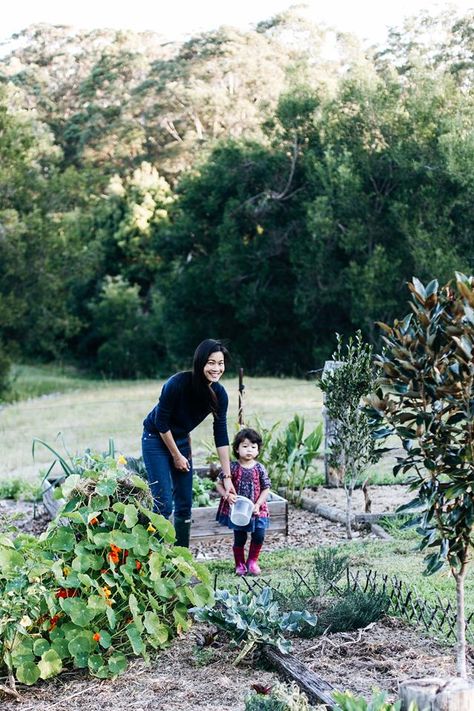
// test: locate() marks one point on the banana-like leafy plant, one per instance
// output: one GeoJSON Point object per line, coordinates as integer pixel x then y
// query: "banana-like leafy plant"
{"type": "Point", "coordinates": [427, 398]}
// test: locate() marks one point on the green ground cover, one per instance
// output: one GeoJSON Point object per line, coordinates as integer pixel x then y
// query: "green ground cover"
{"type": "Point", "coordinates": [394, 558]}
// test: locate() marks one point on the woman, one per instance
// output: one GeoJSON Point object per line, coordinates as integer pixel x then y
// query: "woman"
{"type": "Point", "coordinates": [185, 400]}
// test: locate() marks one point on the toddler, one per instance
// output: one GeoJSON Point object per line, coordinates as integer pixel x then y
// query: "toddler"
{"type": "Point", "coordinates": [248, 478]}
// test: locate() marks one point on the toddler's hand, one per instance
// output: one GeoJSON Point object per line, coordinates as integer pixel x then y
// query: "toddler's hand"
{"type": "Point", "coordinates": [256, 509]}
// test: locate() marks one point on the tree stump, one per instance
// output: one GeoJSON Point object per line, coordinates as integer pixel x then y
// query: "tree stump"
{"type": "Point", "coordinates": [435, 694]}
{"type": "Point", "coordinates": [334, 475]}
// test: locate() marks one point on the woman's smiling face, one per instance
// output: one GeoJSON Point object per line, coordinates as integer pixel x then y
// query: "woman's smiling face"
{"type": "Point", "coordinates": [214, 367]}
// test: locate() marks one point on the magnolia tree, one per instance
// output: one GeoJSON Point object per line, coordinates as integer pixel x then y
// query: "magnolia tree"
{"type": "Point", "coordinates": [352, 447]}
{"type": "Point", "coordinates": [427, 398]}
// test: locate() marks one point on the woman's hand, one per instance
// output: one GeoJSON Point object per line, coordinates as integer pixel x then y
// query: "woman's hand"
{"type": "Point", "coordinates": [256, 508]}
{"type": "Point", "coordinates": [180, 462]}
{"type": "Point", "coordinates": [231, 496]}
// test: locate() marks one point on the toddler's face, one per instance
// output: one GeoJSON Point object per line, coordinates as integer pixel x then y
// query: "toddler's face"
{"type": "Point", "coordinates": [248, 450]}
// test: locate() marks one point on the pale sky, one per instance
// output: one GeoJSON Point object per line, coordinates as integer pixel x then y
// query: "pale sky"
{"type": "Point", "coordinates": [177, 18]}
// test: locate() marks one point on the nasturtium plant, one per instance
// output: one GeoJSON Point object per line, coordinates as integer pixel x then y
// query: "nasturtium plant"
{"type": "Point", "coordinates": [104, 582]}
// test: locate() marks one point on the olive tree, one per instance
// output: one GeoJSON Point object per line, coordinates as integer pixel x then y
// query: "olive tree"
{"type": "Point", "coordinates": [427, 398]}
{"type": "Point", "coordinates": [353, 447]}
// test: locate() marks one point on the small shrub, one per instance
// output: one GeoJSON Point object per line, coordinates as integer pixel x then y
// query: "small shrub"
{"type": "Point", "coordinates": [281, 697]}
{"type": "Point", "coordinates": [20, 490]}
{"type": "Point", "coordinates": [355, 610]}
{"type": "Point", "coordinates": [328, 566]}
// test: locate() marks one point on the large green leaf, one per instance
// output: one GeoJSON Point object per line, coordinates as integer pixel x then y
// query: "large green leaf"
{"type": "Point", "coordinates": [81, 643]}
{"type": "Point", "coordinates": [130, 515]}
{"type": "Point", "coordinates": [135, 639]}
{"type": "Point", "coordinates": [155, 627]}
{"type": "Point", "coordinates": [10, 559]}
{"type": "Point", "coordinates": [28, 673]}
{"type": "Point", "coordinates": [80, 614]}
{"type": "Point", "coordinates": [50, 664]}
{"type": "Point", "coordinates": [117, 663]}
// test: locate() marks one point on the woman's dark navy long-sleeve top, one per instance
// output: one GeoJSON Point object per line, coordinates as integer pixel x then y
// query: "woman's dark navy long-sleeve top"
{"type": "Point", "coordinates": [180, 410]}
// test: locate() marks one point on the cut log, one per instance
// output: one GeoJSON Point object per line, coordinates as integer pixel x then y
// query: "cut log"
{"type": "Point", "coordinates": [329, 512]}
{"type": "Point", "coordinates": [435, 694]}
{"type": "Point", "coordinates": [317, 689]}
{"type": "Point", "coordinates": [380, 532]}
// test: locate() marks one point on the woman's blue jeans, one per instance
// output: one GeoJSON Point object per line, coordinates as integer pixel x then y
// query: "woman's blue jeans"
{"type": "Point", "coordinates": [172, 488]}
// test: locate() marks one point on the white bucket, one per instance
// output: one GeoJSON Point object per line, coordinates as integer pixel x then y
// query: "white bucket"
{"type": "Point", "coordinates": [241, 511]}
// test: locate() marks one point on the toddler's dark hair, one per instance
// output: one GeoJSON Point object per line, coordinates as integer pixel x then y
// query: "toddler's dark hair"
{"type": "Point", "coordinates": [246, 433]}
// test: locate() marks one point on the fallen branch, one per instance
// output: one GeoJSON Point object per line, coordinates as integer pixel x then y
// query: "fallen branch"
{"type": "Point", "coordinates": [317, 689]}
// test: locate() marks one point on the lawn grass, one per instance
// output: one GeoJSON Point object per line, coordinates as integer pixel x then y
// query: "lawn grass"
{"type": "Point", "coordinates": [75, 413]}
{"type": "Point", "coordinates": [397, 558]}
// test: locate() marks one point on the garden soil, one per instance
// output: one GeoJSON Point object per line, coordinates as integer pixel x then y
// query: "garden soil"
{"type": "Point", "coordinates": [190, 677]}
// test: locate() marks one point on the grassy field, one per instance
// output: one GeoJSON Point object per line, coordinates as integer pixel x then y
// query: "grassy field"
{"type": "Point", "coordinates": [72, 413]}
{"type": "Point", "coordinates": [397, 558]}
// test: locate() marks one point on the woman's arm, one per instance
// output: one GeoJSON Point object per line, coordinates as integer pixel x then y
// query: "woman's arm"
{"type": "Point", "coordinates": [179, 460]}
{"type": "Point", "coordinates": [224, 459]}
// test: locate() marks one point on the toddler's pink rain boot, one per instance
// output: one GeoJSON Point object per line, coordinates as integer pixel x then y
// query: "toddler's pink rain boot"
{"type": "Point", "coordinates": [252, 565]}
{"type": "Point", "coordinates": [239, 557]}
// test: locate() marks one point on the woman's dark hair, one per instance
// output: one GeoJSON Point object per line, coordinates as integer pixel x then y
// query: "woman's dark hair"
{"type": "Point", "coordinates": [246, 433]}
{"type": "Point", "coordinates": [201, 385]}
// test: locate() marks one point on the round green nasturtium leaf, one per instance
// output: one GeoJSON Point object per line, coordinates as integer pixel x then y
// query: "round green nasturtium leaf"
{"type": "Point", "coordinates": [60, 646]}
{"type": "Point", "coordinates": [28, 673]}
{"type": "Point", "coordinates": [40, 646]}
{"type": "Point", "coordinates": [50, 664]}
{"type": "Point", "coordinates": [22, 651]}
{"type": "Point", "coordinates": [95, 662]}
{"type": "Point", "coordinates": [203, 595]}
{"type": "Point", "coordinates": [10, 559]}
{"type": "Point", "coordinates": [62, 540]}
{"type": "Point", "coordinates": [81, 644]}
{"type": "Point", "coordinates": [105, 639]}
{"type": "Point", "coordinates": [117, 663]}
{"type": "Point", "coordinates": [130, 515]}
{"type": "Point", "coordinates": [78, 611]}
{"type": "Point", "coordinates": [106, 487]}
{"type": "Point", "coordinates": [135, 639]}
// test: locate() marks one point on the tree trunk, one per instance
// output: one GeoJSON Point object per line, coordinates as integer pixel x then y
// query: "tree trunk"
{"type": "Point", "coordinates": [460, 623]}
{"type": "Point", "coordinates": [333, 473]}
{"type": "Point", "coordinates": [349, 513]}
{"type": "Point", "coordinates": [435, 694]}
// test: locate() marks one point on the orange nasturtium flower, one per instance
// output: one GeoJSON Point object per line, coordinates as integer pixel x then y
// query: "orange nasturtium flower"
{"type": "Point", "coordinates": [94, 521]}
{"type": "Point", "coordinates": [121, 460]}
{"type": "Point", "coordinates": [114, 554]}
{"type": "Point", "coordinates": [138, 565]}
{"type": "Point", "coordinates": [96, 637]}
{"type": "Point", "coordinates": [107, 591]}
{"type": "Point", "coordinates": [66, 592]}
{"type": "Point", "coordinates": [151, 528]}
{"type": "Point", "coordinates": [53, 622]}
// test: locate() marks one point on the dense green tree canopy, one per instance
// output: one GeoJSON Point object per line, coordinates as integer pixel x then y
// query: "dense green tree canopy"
{"type": "Point", "coordinates": [270, 187]}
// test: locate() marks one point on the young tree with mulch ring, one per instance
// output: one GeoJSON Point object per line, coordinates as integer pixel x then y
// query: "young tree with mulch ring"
{"type": "Point", "coordinates": [353, 448]}
{"type": "Point", "coordinates": [428, 400]}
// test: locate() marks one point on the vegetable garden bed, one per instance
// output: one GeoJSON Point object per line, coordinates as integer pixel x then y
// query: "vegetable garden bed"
{"type": "Point", "coordinates": [204, 526]}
